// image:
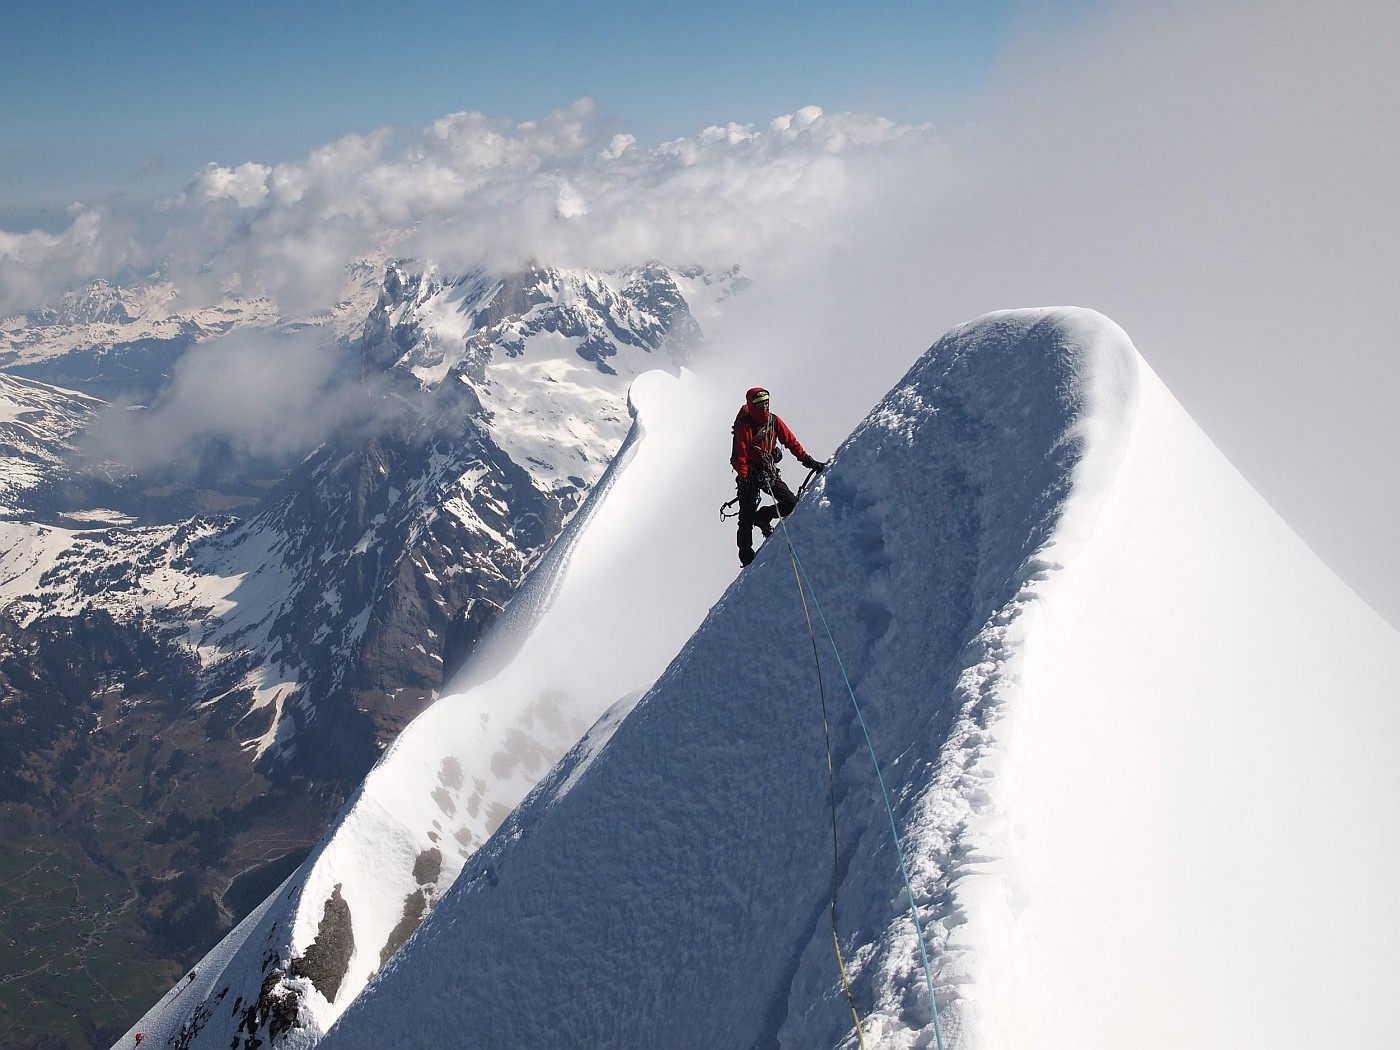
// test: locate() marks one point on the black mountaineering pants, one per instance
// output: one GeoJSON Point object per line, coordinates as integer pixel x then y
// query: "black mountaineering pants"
{"type": "Point", "coordinates": [751, 490]}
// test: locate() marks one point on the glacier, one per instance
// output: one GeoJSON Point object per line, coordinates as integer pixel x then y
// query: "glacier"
{"type": "Point", "coordinates": [1139, 740]}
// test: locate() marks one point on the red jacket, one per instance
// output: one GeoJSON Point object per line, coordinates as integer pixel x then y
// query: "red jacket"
{"type": "Point", "coordinates": [756, 439]}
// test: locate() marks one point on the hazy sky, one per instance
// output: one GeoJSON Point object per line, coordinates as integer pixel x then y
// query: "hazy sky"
{"type": "Point", "coordinates": [1219, 178]}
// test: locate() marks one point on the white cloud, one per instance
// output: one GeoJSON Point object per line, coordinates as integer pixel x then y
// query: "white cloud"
{"type": "Point", "coordinates": [473, 189]}
{"type": "Point", "coordinates": [255, 395]}
{"type": "Point", "coordinates": [245, 185]}
{"type": "Point", "coordinates": [37, 264]}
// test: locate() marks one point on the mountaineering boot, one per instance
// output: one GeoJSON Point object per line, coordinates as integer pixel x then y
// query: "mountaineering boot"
{"type": "Point", "coordinates": [764, 519]}
{"type": "Point", "coordinates": [745, 555]}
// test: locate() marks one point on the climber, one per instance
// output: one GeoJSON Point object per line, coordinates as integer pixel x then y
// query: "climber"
{"type": "Point", "coordinates": [757, 434]}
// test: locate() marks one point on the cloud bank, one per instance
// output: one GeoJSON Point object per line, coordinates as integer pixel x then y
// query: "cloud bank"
{"type": "Point", "coordinates": [267, 397]}
{"type": "Point", "coordinates": [469, 190]}
{"type": "Point", "coordinates": [1217, 178]}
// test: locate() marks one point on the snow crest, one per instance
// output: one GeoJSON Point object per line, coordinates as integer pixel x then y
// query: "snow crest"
{"type": "Point", "coordinates": [1116, 703]}
{"type": "Point", "coordinates": [681, 880]}
{"type": "Point", "coordinates": [458, 770]}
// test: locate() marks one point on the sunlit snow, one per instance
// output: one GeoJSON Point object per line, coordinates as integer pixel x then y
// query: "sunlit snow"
{"type": "Point", "coordinates": [1140, 745]}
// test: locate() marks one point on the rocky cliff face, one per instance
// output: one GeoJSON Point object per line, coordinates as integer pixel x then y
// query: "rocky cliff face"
{"type": "Point", "coordinates": [298, 629]}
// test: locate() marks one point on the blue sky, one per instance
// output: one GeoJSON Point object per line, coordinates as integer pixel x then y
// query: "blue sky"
{"type": "Point", "coordinates": [133, 99]}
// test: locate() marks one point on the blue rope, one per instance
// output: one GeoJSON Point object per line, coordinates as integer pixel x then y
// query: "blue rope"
{"type": "Point", "coordinates": [884, 791]}
{"type": "Point", "coordinates": [835, 841]}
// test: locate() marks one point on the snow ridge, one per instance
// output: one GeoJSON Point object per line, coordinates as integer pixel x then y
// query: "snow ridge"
{"type": "Point", "coordinates": [685, 868]}
{"type": "Point", "coordinates": [442, 789]}
{"type": "Point", "coordinates": [1093, 665]}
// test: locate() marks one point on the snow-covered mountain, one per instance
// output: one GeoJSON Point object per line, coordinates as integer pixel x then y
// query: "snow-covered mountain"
{"type": "Point", "coordinates": [302, 637]}
{"type": "Point", "coordinates": [488, 748]}
{"type": "Point", "coordinates": [1138, 745]}
{"type": "Point", "coordinates": [506, 402]}
{"type": "Point", "coordinates": [37, 426]}
{"type": "Point", "coordinates": [112, 339]}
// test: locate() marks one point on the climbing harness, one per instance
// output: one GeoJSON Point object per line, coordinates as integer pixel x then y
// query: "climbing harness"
{"type": "Point", "coordinates": [765, 439]}
{"type": "Point", "coordinates": [725, 514]}
{"type": "Point", "coordinates": [804, 586]}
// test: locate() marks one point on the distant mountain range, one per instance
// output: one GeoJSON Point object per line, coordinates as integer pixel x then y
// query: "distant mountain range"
{"type": "Point", "coordinates": [197, 668]}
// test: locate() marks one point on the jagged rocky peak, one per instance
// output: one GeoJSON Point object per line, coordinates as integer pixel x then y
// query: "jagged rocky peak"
{"type": "Point", "coordinates": [432, 325]}
{"type": "Point", "coordinates": [99, 303]}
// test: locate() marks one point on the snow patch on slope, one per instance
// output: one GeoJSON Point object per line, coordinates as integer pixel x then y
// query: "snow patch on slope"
{"type": "Point", "coordinates": [37, 426]}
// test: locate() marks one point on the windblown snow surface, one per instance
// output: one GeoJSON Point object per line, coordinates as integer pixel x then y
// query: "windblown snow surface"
{"type": "Point", "coordinates": [1140, 745]}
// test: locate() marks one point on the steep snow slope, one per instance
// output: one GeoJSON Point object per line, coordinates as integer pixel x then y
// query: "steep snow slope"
{"type": "Point", "coordinates": [569, 645]}
{"type": "Point", "coordinates": [1028, 534]}
{"type": "Point", "coordinates": [1200, 789]}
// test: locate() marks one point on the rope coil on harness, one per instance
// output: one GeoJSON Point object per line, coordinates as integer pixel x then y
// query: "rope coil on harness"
{"type": "Point", "coordinates": [804, 586]}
